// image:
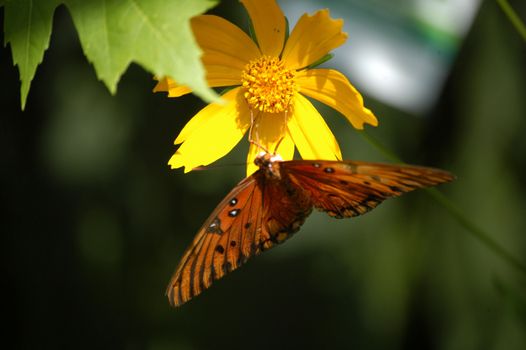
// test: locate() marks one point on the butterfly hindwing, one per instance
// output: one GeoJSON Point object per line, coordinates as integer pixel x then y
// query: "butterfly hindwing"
{"type": "Point", "coordinates": [350, 188]}
{"type": "Point", "coordinates": [285, 210]}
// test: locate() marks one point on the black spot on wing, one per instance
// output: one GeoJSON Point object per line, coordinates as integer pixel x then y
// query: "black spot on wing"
{"type": "Point", "coordinates": [215, 227]}
{"type": "Point", "coordinates": [234, 212]}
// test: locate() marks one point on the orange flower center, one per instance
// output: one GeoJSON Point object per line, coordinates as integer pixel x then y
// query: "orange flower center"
{"type": "Point", "coordinates": [269, 85]}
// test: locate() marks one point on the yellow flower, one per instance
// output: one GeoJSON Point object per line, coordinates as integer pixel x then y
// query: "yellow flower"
{"type": "Point", "coordinates": [271, 77]}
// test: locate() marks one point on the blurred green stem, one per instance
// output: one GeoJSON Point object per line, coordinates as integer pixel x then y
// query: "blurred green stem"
{"type": "Point", "coordinates": [456, 212]}
{"type": "Point", "coordinates": [513, 17]}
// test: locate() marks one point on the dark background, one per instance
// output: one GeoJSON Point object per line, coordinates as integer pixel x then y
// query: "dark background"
{"type": "Point", "coordinates": [94, 222]}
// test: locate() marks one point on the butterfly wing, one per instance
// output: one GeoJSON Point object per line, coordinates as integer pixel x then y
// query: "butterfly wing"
{"type": "Point", "coordinates": [254, 216]}
{"type": "Point", "coordinates": [351, 188]}
{"type": "Point", "coordinates": [221, 244]}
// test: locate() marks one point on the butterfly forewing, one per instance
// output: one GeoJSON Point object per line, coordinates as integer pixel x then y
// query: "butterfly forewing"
{"type": "Point", "coordinates": [253, 217]}
{"type": "Point", "coordinates": [204, 260]}
{"type": "Point", "coordinates": [349, 188]}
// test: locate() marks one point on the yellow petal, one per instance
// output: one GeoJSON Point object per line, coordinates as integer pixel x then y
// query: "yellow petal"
{"type": "Point", "coordinates": [312, 38]}
{"type": "Point", "coordinates": [310, 133]}
{"type": "Point", "coordinates": [285, 150]}
{"type": "Point", "coordinates": [212, 132]}
{"type": "Point", "coordinates": [269, 25]}
{"type": "Point", "coordinates": [216, 76]}
{"type": "Point", "coordinates": [268, 129]}
{"type": "Point", "coordinates": [223, 44]}
{"type": "Point", "coordinates": [332, 88]}
{"type": "Point", "coordinates": [173, 89]}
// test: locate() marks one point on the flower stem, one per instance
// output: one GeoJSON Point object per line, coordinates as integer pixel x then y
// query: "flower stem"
{"type": "Point", "coordinates": [456, 213]}
{"type": "Point", "coordinates": [513, 17]}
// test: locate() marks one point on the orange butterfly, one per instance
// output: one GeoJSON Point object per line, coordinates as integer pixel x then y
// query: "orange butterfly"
{"type": "Point", "coordinates": [268, 207]}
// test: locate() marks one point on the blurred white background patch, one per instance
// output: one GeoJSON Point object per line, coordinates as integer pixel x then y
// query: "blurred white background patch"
{"type": "Point", "coordinates": [398, 51]}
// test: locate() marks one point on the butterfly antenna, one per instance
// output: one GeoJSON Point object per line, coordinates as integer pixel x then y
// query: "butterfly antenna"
{"type": "Point", "coordinates": [282, 137]}
{"type": "Point", "coordinates": [216, 166]}
{"type": "Point", "coordinates": [253, 127]}
{"type": "Point", "coordinates": [277, 145]}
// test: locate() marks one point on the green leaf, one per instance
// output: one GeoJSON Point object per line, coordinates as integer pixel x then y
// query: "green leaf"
{"type": "Point", "coordinates": [113, 33]}
{"type": "Point", "coordinates": [27, 26]}
{"type": "Point", "coordinates": [153, 33]}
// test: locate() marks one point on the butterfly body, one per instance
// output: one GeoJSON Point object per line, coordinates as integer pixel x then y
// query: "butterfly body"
{"type": "Point", "coordinates": [270, 206]}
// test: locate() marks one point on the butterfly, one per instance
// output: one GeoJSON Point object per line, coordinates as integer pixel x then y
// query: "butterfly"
{"type": "Point", "coordinates": [269, 206]}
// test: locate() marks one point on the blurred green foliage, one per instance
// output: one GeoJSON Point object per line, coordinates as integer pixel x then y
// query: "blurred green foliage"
{"type": "Point", "coordinates": [94, 222]}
